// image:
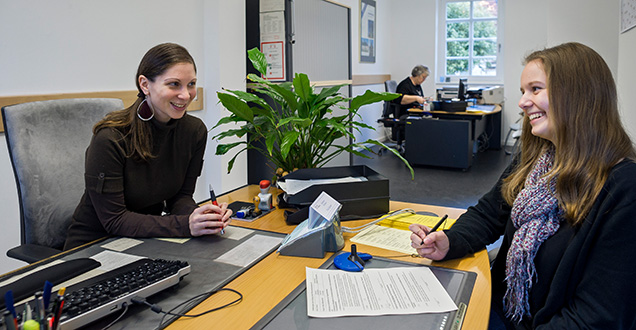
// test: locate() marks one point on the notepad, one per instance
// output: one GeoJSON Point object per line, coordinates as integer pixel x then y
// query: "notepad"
{"type": "Point", "coordinates": [393, 232]}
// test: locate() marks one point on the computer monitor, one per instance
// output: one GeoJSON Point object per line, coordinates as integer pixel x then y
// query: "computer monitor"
{"type": "Point", "coordinates": [461, 92]}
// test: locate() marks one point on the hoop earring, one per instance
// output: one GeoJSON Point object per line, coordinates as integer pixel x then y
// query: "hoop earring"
{"type": "Point", "coordinates": [143, 111]}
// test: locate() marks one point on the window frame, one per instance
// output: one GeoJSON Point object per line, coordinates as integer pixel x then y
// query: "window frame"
{"type": "Point", "coordinates": [442, 78]}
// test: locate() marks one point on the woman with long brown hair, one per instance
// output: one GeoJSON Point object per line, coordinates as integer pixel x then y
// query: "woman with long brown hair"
{"type": "Point", "coordinates": [566, 206]}
{"type": "Point", "coordinates": [143, 161]}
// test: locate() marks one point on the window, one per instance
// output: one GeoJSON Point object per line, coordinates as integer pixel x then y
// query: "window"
{"type": "Point", "coordinates": [469, 40]}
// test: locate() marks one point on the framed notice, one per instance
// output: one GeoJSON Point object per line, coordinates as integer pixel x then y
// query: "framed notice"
{"type": "Point", "coordinates": [367, 31]}
{"type": "Point", "coordinates": [274, 52]}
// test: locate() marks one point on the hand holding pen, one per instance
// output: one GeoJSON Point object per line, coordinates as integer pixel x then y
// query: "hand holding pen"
{"type": "Point", "coordinates": [430, 243]}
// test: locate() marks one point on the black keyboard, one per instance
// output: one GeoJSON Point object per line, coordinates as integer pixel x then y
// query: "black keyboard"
{"type": "Point", "coordinates": [105, 294]}
{"type": "Point", "coordinates": [99, 296]}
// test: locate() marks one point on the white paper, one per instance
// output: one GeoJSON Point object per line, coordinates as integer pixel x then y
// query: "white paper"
{"type": "Point", "coordinates": [271, 5]}
{"type": "Point", "coordinates": [236, 233]}
{"type": "Point", "coordinates": [121, 244]}
{"type": "Point", "coordinates": [175, 240]}
{"type": "Point", "coordinates": [323, 209]}
{"type": "Point", "coordinates": [375, 291]}
{"type": "Point", "coordinates": [112, 260]}
{"type": "Point", "coordinates": [249, 251]}
{"type": "Point", "coordinates": [387, 238]}
{"type": "Point", "coordinates": [293, 186]}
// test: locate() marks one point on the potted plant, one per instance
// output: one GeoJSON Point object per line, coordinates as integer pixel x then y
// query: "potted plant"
{"type": "Point", "coordinates": [300, 130]}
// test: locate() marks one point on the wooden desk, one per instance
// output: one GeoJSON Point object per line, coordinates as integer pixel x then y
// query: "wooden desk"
{"type": "Point", "coordinates": [264, 285]}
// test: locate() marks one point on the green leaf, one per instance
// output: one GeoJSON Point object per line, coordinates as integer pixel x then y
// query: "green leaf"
{"type": "Point", "coordinates": [231, 132]}
{"type": "Point", "coordinates": [222, 149]}
{"type": "Point", "coordinates": [395, 152]}
{"type": "Point", "coordinates": [371, 97]}
{"type": "Point", "coordinates": [270, 141]}
{"type": "Point", "coordinates": [288, 141]}
{"type": "Point", "coordinates": [331, 91]}
{"type": "Point", "coordinates": [302, 86]}
{"type": "Point", "coordinates": [236, 106]}
{"type": "Point", "coordinates": [250, 97]}
{"type": "Point", "coordinates": [302, 122]}
{"type": "Point", "coordinates": [258, 60]}
{"type": "Point", "coordinates": [225, 120]}
{"type": "Point", "coordinates": [230, 164]}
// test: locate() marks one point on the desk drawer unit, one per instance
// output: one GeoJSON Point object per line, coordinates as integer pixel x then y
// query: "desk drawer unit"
{"type": "Point", "coordinates": [439, 142]}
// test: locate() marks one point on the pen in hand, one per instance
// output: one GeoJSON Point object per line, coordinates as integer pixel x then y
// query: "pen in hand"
{"type": "Point", "coordinates": [439, 223]}
{"type": "Point", "coordinates": [214, 202]}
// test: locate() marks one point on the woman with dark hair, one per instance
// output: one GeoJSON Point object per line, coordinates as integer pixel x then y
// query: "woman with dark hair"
{"type": "Point", "coordinates": [566, 206]}
{"type": "Point", "coordinates": [143, 161]}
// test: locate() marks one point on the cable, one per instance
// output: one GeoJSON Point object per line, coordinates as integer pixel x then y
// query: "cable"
{"type": "Point", "coordinates": [157, 309]}
{"type": "Point", "coordinates": [363, 227]}
{"type": "Point", "coordinates": [125, 306]}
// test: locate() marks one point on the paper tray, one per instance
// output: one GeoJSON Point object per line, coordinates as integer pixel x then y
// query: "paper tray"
{"type": "Point", "coordinates": [359, 200]}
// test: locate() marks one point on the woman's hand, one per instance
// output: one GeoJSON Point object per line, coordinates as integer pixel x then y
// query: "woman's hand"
{"type": "Point", "coordinates": [209, 219]}
{"type": "Point", "coordinates": [433, 246]}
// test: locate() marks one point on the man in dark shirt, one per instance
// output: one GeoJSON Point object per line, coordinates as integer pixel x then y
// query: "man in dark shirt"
{"type": "Point", "coordinates": [411, 90]}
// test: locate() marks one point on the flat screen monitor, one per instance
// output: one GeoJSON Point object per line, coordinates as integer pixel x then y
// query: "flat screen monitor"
{"type": "Point", "coordinates": [461, 92]}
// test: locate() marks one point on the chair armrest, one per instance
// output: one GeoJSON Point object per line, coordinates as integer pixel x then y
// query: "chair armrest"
{"type": "Point", "coordinates": [31, 253]}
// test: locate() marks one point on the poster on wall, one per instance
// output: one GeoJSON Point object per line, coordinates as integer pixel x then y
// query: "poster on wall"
{"type": "Point", "coordinates": [628, 15]}
{"type": "Point", "coordinates": [367, 31]}
{"type": "Point", "coordinates": [272, 25]}
{"type": "Point", "coordinates": [274, 52]}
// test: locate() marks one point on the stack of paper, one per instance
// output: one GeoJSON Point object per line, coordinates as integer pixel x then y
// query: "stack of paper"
{"type": "Point", "coordinates": [393, 233]}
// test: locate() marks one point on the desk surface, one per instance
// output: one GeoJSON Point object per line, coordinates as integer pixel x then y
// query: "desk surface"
{"type": "Point", "coordinates": [460, 113]}
{"type": "Point", "coordinates": [265, 284]}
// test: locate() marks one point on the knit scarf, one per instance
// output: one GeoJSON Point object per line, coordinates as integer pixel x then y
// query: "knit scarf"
{"type": "Point", "coordinates": [536, 215]}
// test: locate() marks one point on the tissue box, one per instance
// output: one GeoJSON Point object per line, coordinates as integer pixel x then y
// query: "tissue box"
{"type": "Point", "coordinates": [360, 199]}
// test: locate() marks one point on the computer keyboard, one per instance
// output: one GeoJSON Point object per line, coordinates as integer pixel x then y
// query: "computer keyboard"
{"type": "Point", "coordinates": [99, 296]}
{"type": "Point", "coordinates": [102, 295]}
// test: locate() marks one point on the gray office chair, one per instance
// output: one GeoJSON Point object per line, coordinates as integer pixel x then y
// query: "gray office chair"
{"type": "Point", "coordinates": [47, 141]}
{"type": "Point", "coordinates": [395, 130]}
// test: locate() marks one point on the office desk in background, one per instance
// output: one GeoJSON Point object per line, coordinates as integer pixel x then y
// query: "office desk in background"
{"type": "Point", "coordinates": [448, 138]}
{"type": "Point", "coordinates": [268, 282]}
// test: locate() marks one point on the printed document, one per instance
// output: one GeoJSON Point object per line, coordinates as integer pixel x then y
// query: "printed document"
{"type": "Point", "coordinates": [375, 291]}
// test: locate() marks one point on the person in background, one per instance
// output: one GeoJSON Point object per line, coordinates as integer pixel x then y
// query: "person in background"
{"type": "Point", "coordinates": [410, 90]}
{"type": "Point", "coordinates": [142, 163]}
{"type": "Point", "coordinates": [566, 206]}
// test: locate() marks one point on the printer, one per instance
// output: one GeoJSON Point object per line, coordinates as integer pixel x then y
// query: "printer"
{"type": "Point", "coordinates": [487, 94]}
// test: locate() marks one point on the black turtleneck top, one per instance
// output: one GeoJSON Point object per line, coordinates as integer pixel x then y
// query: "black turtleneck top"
{"type": "Point", "coordinates": [124, 197]}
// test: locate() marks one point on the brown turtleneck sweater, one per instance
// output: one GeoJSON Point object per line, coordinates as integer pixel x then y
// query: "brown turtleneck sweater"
{"type": "Point", "coordinates": [124, 197]}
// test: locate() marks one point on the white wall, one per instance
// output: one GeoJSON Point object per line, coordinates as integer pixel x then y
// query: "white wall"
{"type": "Point", "coordinates": [81, 46]}
{"type": "Point", "coordinates": [625, 82]}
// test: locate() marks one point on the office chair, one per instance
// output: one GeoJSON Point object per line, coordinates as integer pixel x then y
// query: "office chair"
{"type": "Point", "coordinates": [47, 141]}
{"type": "Point", "coordinates": [390, 120]}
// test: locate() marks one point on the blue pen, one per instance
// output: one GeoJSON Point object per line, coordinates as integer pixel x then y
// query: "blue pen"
{"type": "Point", "coordinates": [8, 300]}
{"type": "Point", "coordinates": [46, 295]}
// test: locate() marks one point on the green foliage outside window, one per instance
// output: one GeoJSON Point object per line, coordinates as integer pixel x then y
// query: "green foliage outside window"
{"type": "Point", "coordinates": [471, 51]}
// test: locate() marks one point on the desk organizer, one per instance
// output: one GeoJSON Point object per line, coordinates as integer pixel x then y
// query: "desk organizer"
{"type": "Point", "coordinates": [365, 199]}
